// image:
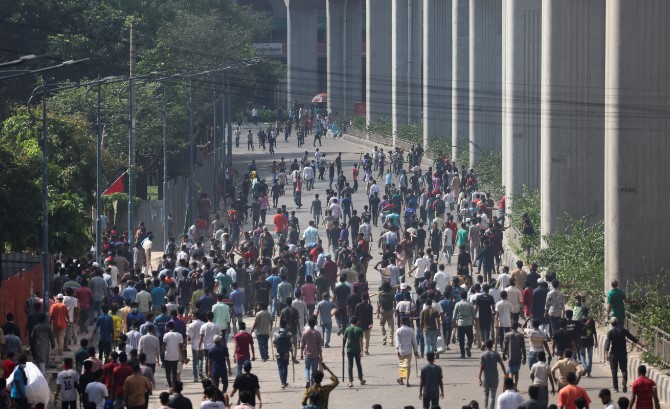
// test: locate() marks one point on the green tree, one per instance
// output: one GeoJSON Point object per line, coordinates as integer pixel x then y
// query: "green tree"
{"type": "Point", "coordinates": [71, 181]}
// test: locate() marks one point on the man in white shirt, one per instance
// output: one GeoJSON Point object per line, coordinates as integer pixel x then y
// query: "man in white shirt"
{"type": "Point", "coordinates": [193, 332]}
{"type": "Point", "coordinates": [441, 278]}
{"type": "Point", "coordinates": [335, 209]}
{"type": "Point", "coordinates": [422, 265]}
{"type": "Point", "coordinates": [311, 235]}
{"type": "Point", "coordinates": [503, 317]}
{"type": "Point", "coordinates": [510, 398]}
{"type": "Point", "coordinates": [503, 279]}
{"type": "Point", "coordinates": [308, 177]}
{"type": "Point", "coordinates": [173, 343]}
{"type": "Point", "coordinates": [374, 188]}
{"type": "Point", "coordinates": [97, 392]}
{"type": "Point", "coordinates": [405, 341]}
{"type": "Point", "coordinates": [72, 304]}
{"type": "Point", "coordinates": [514, 297]}
{"type": "Point", "coordinates": [150, 346]}
{"type": "Point", "coordinates": [133, 337]}
{"type": "Point", "coordinates": [207, 333]}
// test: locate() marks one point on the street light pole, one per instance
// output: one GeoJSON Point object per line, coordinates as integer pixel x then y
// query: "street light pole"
{"type": "Point", "coordinates": [216, 151]}
{"type": "Point", "coordinates": [45, 198]}
{"type": "Point", "coordinates": [98, 189]}
{"type": "Point", "coordinates": [166, 232]}
{"type": "Point", "coordinates": [189, 198]}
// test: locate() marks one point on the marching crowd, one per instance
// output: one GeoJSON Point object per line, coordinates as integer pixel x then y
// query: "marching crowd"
{"type": "Point", "coordinates": [238, 285]}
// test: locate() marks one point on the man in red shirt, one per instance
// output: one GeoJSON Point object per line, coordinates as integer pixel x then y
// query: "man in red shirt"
{"type": "Point", "coordinates": [644, 391]}
{"type": "Point", "coordinates": [571, 392]}
{"type": "Point", "coordinates": [119, 375]}
{"type": "Point", "coordinates": [109, 367]}
{"type": "Point", "coordinates": [244, 342]}
{"type": "Point", "coordinates": [281, 223]}
{"type": "Point", "coordinates": [59, 320]}
{"type": "Point", "coordinates": [84, 295]}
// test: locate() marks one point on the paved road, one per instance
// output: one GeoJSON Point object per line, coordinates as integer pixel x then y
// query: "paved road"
{"type": "Point", "coordinates": [380, 367]}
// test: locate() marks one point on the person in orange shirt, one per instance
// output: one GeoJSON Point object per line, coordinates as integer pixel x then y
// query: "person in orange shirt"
{"type": "Point", "coordinates": [59, 319]}
{"type": "Point", "coordinates": [280, 222]}
{"type": "Point", "coordinates": [570, 393]}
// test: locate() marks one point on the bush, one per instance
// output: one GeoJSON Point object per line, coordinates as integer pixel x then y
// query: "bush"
{"type": "Point", "coordinates": [382, 127]}
{"type": "Point", "coordinates": [489, 172]}
{"type": "Point", "coordinates": [577, 255]}
{"type": "Point", "coordinates": [412, 133]}
{"type": "Point", "coordinates": [267, 115]}
{"type": "Point", "coordinates": [440, 145]}
{"type": "Point", "coordinates": [528, 201]}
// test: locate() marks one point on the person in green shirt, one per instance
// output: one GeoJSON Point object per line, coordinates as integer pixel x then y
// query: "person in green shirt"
{"type": "Point", "coordinates": [353, 339]}
{"type": "Point", "coordinates": [82, 354]}
{"type": "Point", "coordinates": [462, 236]}
{"type": "Point", "coordinates": [616, 300]}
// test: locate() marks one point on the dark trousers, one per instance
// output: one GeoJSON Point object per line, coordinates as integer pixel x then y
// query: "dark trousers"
{"type": "Point", "coordinates": [224, 382]}
{"type": "Point", "coordinates": [69, 405]}
{"type": "Point", "coordinates": [619, 361]}
{"type": "Point", "coordinates": [263, 345]}
{"type": "Point", "coordinates": [465, 331]}
{"type": "Point", "coordinates": [170, 372]}
{"type": "Point", "coordinates": [446, 333]}
{"type": "Point", "coordinates": [501, 336]}
{"type": "Point", "coordinates": [282, 366]}
{"type": "Point", "coordinates": [104, 349]}
{"type": "Point", "coordinates": [355, 356]}
{"type": "Point", "coordinates": [429, 402]}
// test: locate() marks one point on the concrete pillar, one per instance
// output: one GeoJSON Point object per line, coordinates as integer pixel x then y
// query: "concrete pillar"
{"type": "Point", "coordinates": [406, 62]}
{"type": "Point", "coordinates": [302, 70]}
{"type": "Point", "coordinates": [485, 77]}
{"type": "Point", "coordinates": [637, 97]}
{"type": "Point", "coordinates": [336, 79]}
{"type": "Point", "coordinates": [572, 98]}
{"type": "Point", "coordinates": [344, 31]}
{"type": "Point", "coordinates": [353, 63]}
{"type": "Point", "coordinates": [460, 74]}
{"type": "Point", "coordinates": [521, 48]}
{"type": "Point", "coordinates": [378, 59]}
{"type": "Point", "coordinates": [436, 69]}
{"type": "Point", "coordinates": [399, 64]}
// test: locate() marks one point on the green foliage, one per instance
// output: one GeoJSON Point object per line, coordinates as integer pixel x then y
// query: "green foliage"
{"type": "Point", "coordinates": [489, 172]}
{"type": "Point", "coordinates": [412, 133]}
{"type": "Point", "coordinates": [121, 205]}
{"type": "Point", "coordinates": [526, 202]}
{"type": "Point", "coordinates": [382, 127]}
{"type": "Point", "coordinates": [71, 181]}
{"type": "Point", "coordinates": [440, 145]}
{"type": "Point", "coordinates": [360, 123]}
{"type": "Point", "coordinates": [577, 254]}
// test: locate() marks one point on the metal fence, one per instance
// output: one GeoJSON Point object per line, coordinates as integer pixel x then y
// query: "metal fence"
{"type": "Point", "coordinates": [659, 345]}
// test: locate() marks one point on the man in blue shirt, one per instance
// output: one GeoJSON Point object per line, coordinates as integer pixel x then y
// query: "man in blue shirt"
{"type": "Point", "coordinates": [274, 280]}
{"type": "Point", "coordinates": [19, 383]}
{"type": "Point", "coordinates": [130, 293]}
{"type": "Point", "coordinates": [237, 297]}
{"type": "Point", "coordinates": [216, 364]}
{"type": "Point", "coordinates": [157, 297]}
{"type": "Point", "coordinates": [134, 315]}
{"type": "Point", "coordinates": [346, 208]}
{"type": "Point", "coordinates": [105, 324]}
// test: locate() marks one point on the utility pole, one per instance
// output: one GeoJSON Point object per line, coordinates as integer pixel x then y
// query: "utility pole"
{"type": "Point", "coordinates": [191, 150]}
{"type": "Point", "coordinates": [216, 150]}
{"type": "Point", "coordinates": [166, 232]}
{"type": "Point", "coordinates": [230, 130]}
{"type": "Point", "coordinates": [131, 132]}
{"type": "Point", "coordinates": [224, 145]}
{"type": "Point", "coordinates": [45, 206]}
{"type": "Point", "coordinates": [98, 189]}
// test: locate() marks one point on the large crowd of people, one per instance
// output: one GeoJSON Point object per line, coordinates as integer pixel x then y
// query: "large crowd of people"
{"type": "Point", "coordinates": [252, 289]}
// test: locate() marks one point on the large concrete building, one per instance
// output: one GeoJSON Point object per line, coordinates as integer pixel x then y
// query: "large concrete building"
{"type": "Point", "coordinates": [574, 93]}
{"type": "Point", "coordinates": [637, 139]}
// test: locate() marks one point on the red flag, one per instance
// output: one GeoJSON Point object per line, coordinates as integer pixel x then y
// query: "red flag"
{"type": "Point", "coordinates": [117, 186]}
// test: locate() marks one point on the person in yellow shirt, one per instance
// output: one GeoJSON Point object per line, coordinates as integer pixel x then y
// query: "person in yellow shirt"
{"type": "Point", "coordinates": [322, 390]}
{"type": "Point", "coordinates": [123, 313]}
{"type": "Point", "coordinates": [118, 325]}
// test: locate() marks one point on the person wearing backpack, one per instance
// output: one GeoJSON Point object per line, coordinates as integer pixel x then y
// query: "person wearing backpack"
{"type": "Point", "coordinates": [284, 346]}
{"type": "Point", "coordinates": [385, 309]}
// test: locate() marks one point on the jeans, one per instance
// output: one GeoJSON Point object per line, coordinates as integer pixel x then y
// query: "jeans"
{"type": "Point", "coordinates": [327, 330]}
{"type": "Point", "coordinates": [69, 405]}
{"type": "Point", "coordinates": [310, 309]}
{"type": "Point", "coordinates": [421, 341]}
{"type": "Point", "coordinates": [429, 402]}
{"type": "Point", "coordinates": [311, 365]}
{"type": "Point", "coordinates": [586, 356]}
{"type": "Point", "coordinates": [501, 335]}
{"type": "Point", "coordinates": [282, 366]}
{"type": "Point", "coordinates": [490, 393]}
{"type": "Point", "coordinates": [484, 330]}
{"type": "Point", "coordinates": [240, 318]}
{"type": "Point", "coordinates": [447, 254]}
{"type": "Point", "coordinates": [263, 345]}
{"type": "Point", "coordinates": [431, 340]}
{"type": "Point", "coordinates": [240, 362]}
{"type": "Point", "coordinates": [197, 363]}
{"type": "Point", "coordinates": [446, 333]}
{"type": "Point", "coordinates": [170, 372]}
{"type": "Point", "coordinates": [555, 324]}
{"type": "Point", "coordinates": [104, 349]}
{"type": "Point", "coordinates": [532, 358]}
{"type": "Point", "coordinates": [619, 361]}
{"type": "Point", "coordinates": [97, 308]}
{"type": "Point", "coordinates": [355, 356]}
{"type": "Point", "coordinates": [464, 331]}
{"type": "Point", "coordinates": [84, 318]}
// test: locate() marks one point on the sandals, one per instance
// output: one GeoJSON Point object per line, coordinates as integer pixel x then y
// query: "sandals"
{"type": "Point", "coordinates": [350, 385]}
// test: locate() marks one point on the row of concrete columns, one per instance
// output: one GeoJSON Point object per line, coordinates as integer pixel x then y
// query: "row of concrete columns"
{"type": "Point", "coordinates": [575, 93]}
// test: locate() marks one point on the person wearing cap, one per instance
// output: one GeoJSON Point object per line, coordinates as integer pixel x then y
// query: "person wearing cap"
{"type": "Point", "coordinates": [616, 353]}
{"type": "Point", "coordinates": [218, 358]}
{"type": "Point", "coordinates": [59, 317]}
{"type": "Point", "coordinates": [248, 382]}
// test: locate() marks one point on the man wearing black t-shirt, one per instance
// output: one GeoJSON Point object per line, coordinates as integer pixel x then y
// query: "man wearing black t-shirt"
{"type": "Point", "coordinates": [563, 339]}
{"type": "Point", "coordinates": [247, 381]}
{"type": "Point", "coordinates": [485, 308]}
